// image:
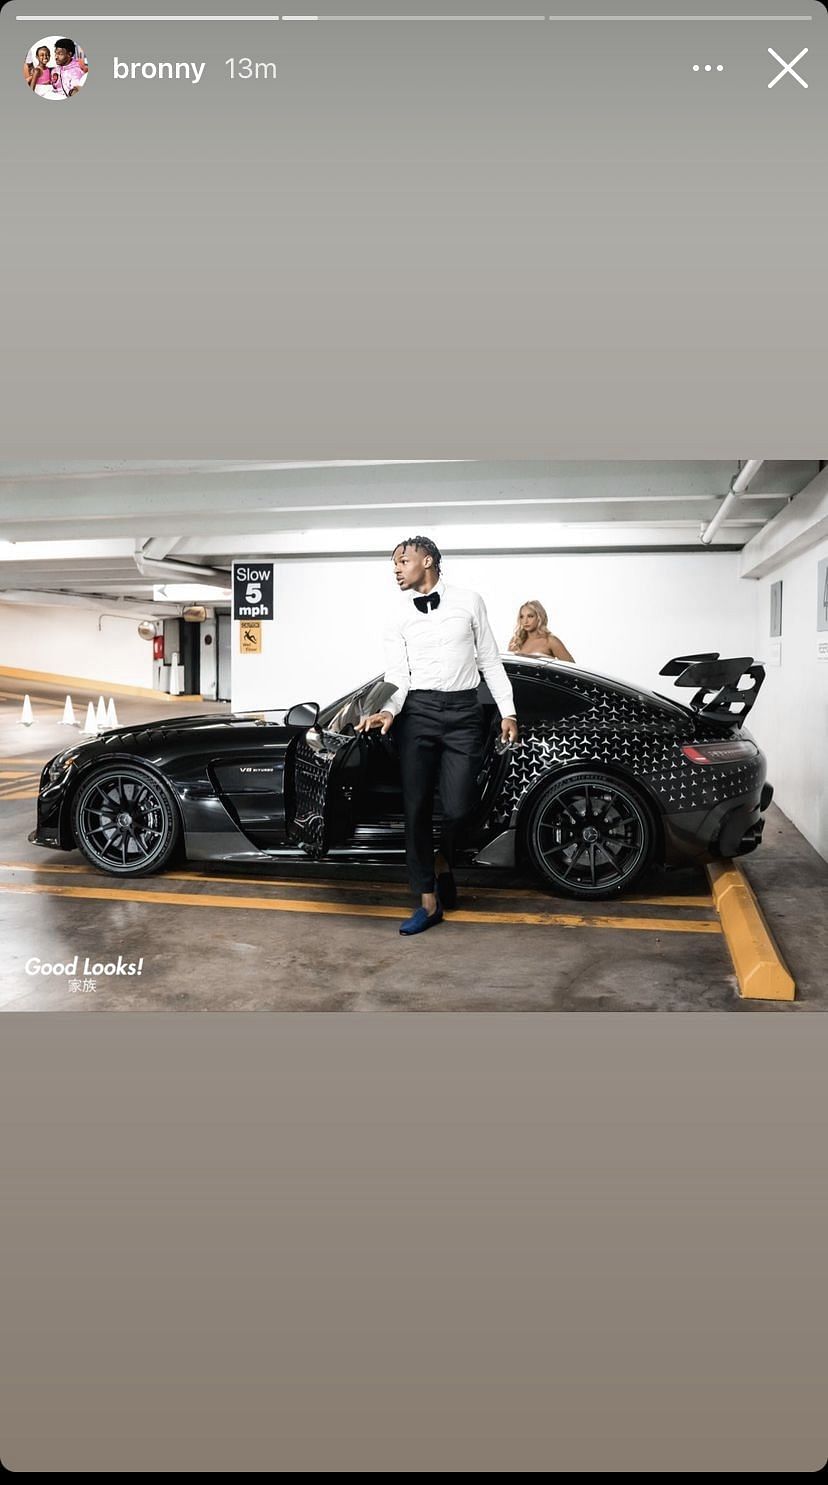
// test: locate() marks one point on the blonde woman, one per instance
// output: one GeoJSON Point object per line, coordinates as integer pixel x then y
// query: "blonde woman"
{"type": "Point", "coordinates": [532, 637]}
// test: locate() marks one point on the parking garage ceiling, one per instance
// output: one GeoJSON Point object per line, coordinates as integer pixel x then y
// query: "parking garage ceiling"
{"type": "Point", "coordinates": [115, 531]}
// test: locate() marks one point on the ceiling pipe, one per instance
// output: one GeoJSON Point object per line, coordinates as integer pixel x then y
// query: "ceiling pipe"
{"type": "Point", "coordinates": [161, 611]}
{"type": "Point", "coordinates": [183, 572]}
{"type": "Point", "coordinates": [132, 607]}
{"type": "Point", "coordinates": [740, 483]}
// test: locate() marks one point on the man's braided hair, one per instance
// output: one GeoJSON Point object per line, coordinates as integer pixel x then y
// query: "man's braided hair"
{"type": "Point", "coordinates": [423, 544]}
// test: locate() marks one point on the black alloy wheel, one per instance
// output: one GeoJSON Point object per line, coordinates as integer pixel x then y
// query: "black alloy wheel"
{"type": "Point", "coordinates": [588, 835]}
{"type": "Point", "coordinates": [125, 821]}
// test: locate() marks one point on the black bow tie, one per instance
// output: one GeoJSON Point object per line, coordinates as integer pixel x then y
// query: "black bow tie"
{"type": "Point", "coordinates": [427, 601]}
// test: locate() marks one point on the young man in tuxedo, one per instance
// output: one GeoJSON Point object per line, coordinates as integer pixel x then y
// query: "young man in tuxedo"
{"type": "Point", "coordinates": [436, 645]}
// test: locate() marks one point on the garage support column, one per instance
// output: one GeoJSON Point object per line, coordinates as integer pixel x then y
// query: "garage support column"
{"type": "Point", "coordinates": [253, 636]}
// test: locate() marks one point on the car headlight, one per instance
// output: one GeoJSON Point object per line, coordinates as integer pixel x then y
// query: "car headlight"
{"type": "Point", "coordinates": [60, 766]}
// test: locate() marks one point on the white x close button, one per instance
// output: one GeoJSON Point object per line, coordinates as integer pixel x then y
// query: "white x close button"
{"type": "Point", "coordinates": [787, 67]}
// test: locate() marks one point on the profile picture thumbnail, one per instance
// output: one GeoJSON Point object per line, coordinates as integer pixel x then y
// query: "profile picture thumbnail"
{"type": "Point", "coordinates": [55, 68]}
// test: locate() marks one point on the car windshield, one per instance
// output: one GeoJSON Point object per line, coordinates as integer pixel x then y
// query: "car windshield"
{"type": "Point", "coordinates": [343, 715]}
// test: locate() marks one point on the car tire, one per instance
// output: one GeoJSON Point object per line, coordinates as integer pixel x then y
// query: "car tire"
{"type": "Point", "coordinates": [589, 835]}
{"type": "Point", "coordinates": [125, 821]}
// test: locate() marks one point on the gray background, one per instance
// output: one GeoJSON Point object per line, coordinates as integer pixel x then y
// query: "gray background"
{"type": "Point", "coordinates": [391, 1242]}
{"type": "Point", "coordinates": [542, 239]}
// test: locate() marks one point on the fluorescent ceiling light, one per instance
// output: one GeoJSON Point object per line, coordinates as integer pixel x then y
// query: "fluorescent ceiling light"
{"type": "Point", "coordinates": [186, 592]}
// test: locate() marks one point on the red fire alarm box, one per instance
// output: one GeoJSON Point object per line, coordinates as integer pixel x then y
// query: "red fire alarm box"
{"type": "Point", "coordinates": [158, 647]}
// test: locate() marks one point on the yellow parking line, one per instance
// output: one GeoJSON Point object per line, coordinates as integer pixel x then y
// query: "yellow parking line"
{"type": "Point", "coordinates": [45, 701]}
{"type": "Point", "coordinates": [19, 794]}
{"type": "Point", "coordinates": [32, 695]}
{"type": "Point", "coordinates": [396, 888]}
{"type": "Point", "coordinates": [760, 969]}
{"type": "Point", "coordinates": [355, 909]}
{"type": "Point", "coordinates": [702, 900]}
{"type": "Point", "coordinates": [241, 880]}
{"type": "Point", "coordinates": [80, 683]}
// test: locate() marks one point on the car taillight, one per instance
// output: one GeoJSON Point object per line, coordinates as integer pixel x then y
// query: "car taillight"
{"type": "Point", "coordinates": [735, 751]}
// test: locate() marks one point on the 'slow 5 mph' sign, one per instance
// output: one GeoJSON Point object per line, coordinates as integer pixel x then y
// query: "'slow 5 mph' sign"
{"type": "Point", "coordinates": [252, 590]}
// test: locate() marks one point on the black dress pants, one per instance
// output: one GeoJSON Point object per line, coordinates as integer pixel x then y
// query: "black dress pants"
{"type": "Point", "coordinates": [440, 740]}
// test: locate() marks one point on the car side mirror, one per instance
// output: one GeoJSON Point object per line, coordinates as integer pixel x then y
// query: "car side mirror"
{"type": "Point", "coordinates": [304, 714]}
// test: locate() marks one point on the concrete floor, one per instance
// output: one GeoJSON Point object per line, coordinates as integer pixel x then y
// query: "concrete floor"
{"type": "Point", "coordinates": [306, 938]}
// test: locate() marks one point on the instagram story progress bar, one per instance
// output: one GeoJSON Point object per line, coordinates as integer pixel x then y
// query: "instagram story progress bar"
{"type": "Point", "coordinates": [450, 19]}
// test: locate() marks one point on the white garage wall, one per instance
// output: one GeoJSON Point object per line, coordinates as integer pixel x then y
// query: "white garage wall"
{"type": "Point", "coordinates": [790, 718]}
{"type": "Point", "coordinates": [68, 641]}
{"type": "Point", "coordinates": [620, 613]}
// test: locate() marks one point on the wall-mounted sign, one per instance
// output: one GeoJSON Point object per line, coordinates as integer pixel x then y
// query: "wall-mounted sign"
{"type": "Point", "coordinates": [776, 609]}
{"type": "Point", "coordinates": [822, 595]}
{"type": "Point", "coordinates": [250, 637]}
{"type": "Point", "coordinates": [252, 590]}
{"type": "Point", "coordinates": [774, 652]}
{"type": "Point", "coordinates": [822, 649]}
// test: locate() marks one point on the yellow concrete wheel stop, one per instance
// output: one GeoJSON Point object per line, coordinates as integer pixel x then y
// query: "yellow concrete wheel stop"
{"type": "Point", "coordinates": [760, 969]}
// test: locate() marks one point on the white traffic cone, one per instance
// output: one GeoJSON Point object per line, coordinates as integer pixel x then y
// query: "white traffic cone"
{"type": "Point", "coordinates": [101, 713]}
{"type": "Point", "coordinates": [111, 714]}
{"type": "Point", "coordinates": [175, 684]}
{"type": "Point", "coordinates": [91, 725]}
{"type": "Point", "coordinates": [68, 719]}
{"type": "Point", "coordinates": [27, 715]}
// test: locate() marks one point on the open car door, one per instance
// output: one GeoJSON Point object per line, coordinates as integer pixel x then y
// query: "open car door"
{"type": "Point", "coordinates": [329, 765]}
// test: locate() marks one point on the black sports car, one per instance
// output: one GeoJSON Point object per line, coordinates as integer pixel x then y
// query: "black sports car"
{"type": "Point", "coordinates": [605, 779]}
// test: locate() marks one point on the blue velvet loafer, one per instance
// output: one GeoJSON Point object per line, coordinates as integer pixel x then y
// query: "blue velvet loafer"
{"type": "Point", "coordinates": [421, 920]}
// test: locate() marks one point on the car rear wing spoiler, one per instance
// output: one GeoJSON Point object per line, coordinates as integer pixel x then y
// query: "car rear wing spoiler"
{"type": "Point", "coordinates": [718, 695]}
